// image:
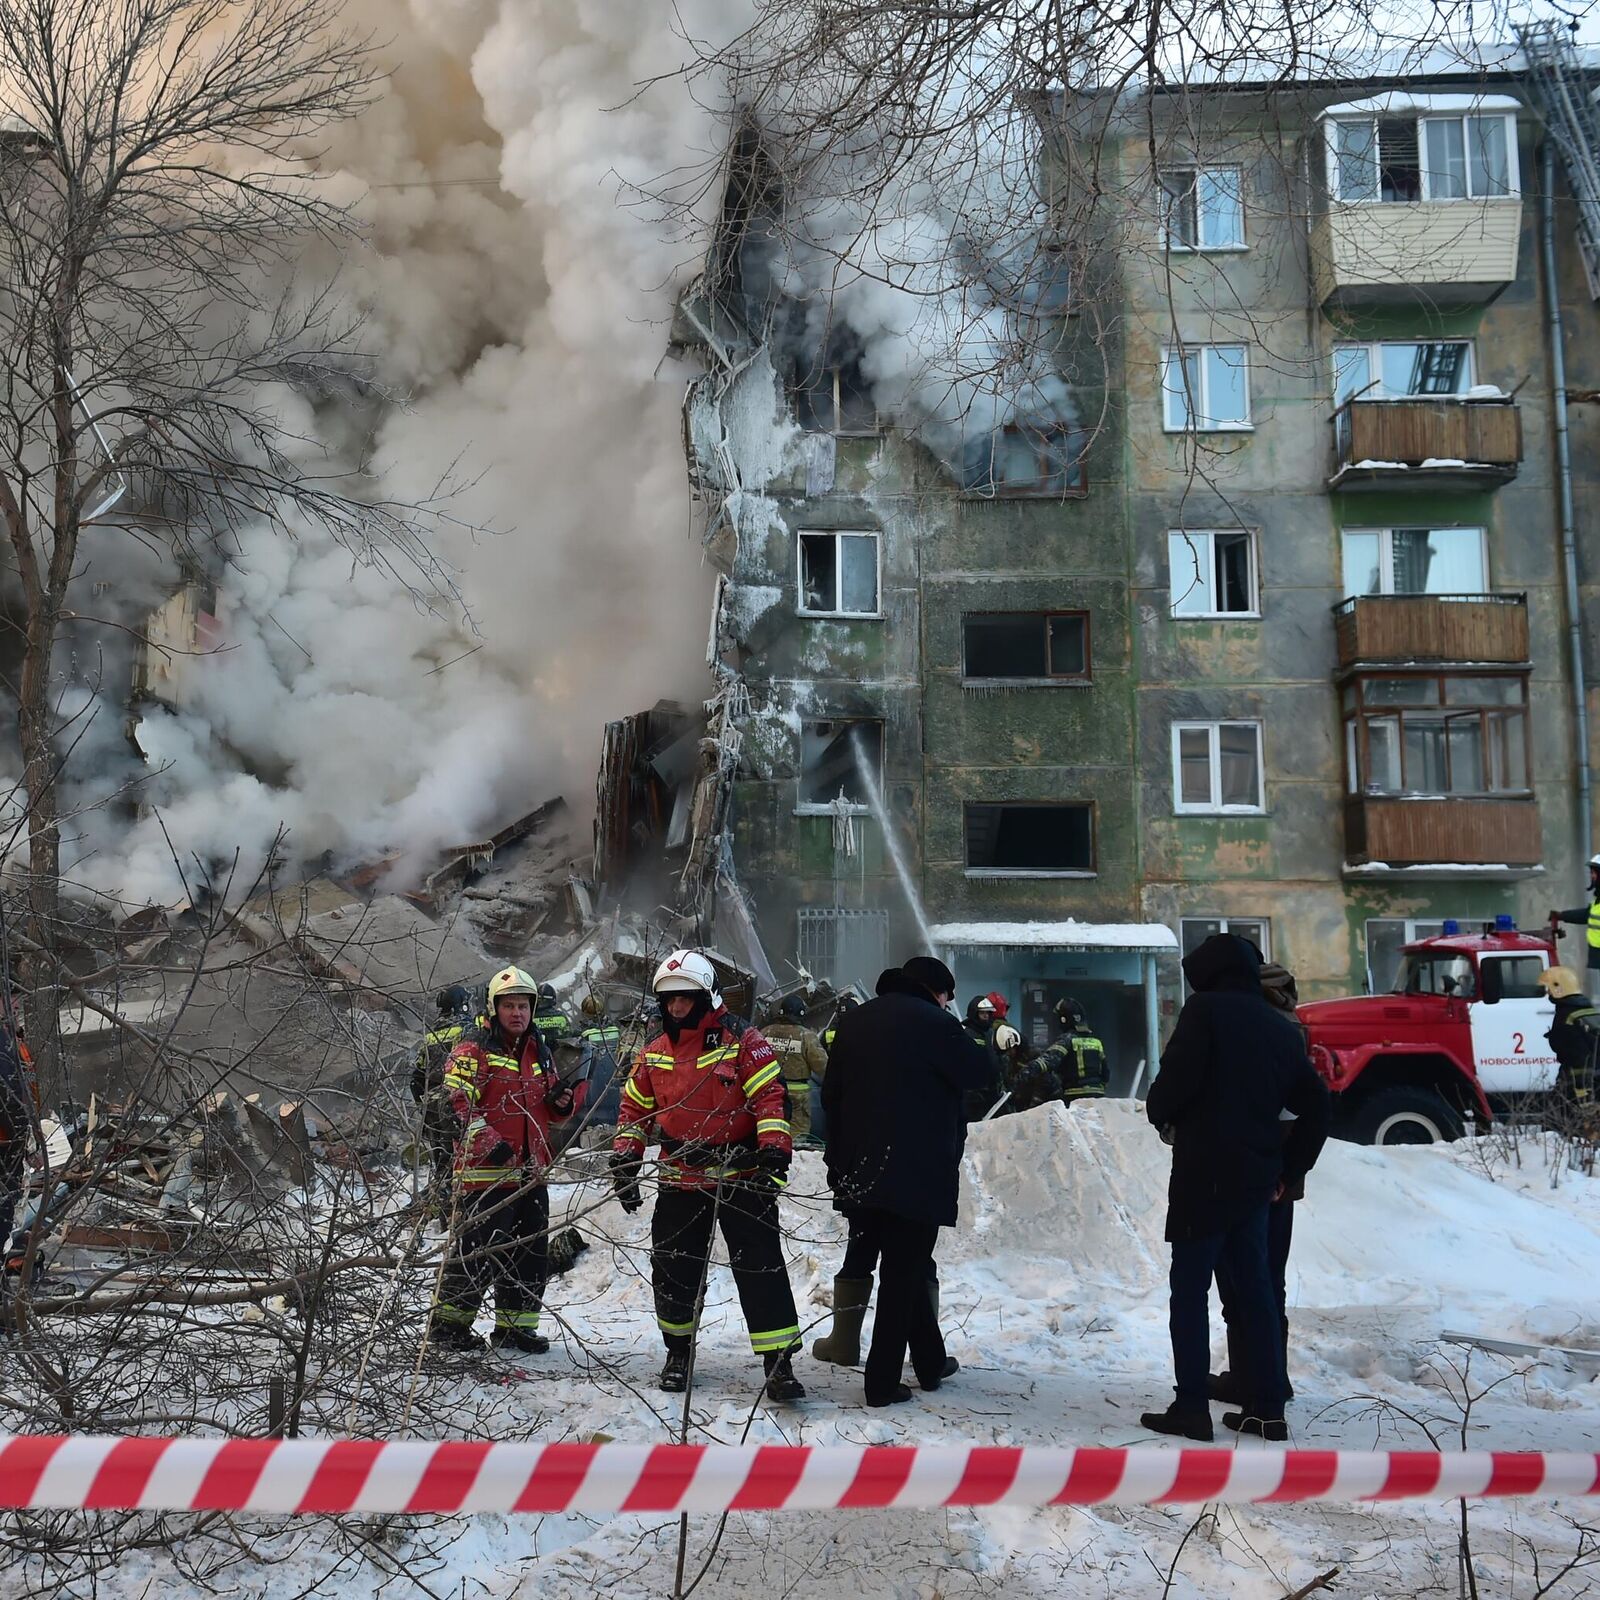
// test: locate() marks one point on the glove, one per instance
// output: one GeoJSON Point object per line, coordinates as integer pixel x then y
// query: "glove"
{"type": "Point", "coordinates": [560, 1101]}
{"type": "Point", "coordinates": [772, 1166]}
{"type": "Point", "coordinates": [697, 1153]}
{"type": "Point", "coordinates": [625, 1180]}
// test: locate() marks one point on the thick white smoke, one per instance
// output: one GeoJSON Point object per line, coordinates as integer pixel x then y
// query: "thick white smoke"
{"type": "Point", "coordinates": [523, 307]}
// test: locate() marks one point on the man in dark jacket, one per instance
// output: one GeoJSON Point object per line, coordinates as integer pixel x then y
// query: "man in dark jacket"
{"type": "Point", "coordinates": [897, 1081]}
{"type": "Point", "coordinates": [1234, 1064]}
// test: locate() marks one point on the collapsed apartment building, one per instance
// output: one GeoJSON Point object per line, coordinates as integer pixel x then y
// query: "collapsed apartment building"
{"type": "Point", "coordinates": [1086, 700]}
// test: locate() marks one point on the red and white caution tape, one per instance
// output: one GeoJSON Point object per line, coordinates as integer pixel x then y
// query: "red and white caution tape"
{"type": "Point", "coordinates": [334, 1475]}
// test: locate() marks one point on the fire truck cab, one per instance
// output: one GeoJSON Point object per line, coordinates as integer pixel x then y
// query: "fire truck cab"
{"type": "Point", "coordinates": [1461, 1035]}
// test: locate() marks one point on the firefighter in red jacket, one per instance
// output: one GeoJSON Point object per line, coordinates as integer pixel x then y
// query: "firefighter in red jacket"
{"type": "Point", "coordinates": [710, 1090]}
{"type": "Point", "coordinates": [503, 1091]}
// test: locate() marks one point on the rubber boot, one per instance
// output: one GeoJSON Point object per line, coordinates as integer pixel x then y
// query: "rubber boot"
{"type": "Point", "coordinates": [851, 1297]}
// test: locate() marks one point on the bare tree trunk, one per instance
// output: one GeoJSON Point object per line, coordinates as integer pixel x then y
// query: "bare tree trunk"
{"type": "Point", "coordinates": [39, 968]}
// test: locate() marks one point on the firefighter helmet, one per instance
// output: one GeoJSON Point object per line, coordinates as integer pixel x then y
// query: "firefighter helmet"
{"type": "Point", "coordinates": [685, 972]}
{"type": "Point", "coordinates": [983, 1006]}
{"type": "Point", "coordinates": [511, 981]}
{"type": "Point", "coordinates": [456, 1001]}
{"type": "Point", "coordinates": [794, 1007]}
{"type": "Point", "coordinates": [1069, 1012]}
{"type": "Point", "coordinates": [1560, 982]}
{"type": "Point", "coordinates": [592, 1006]}
{"type": "Point", "coordinates": [998, 1003]}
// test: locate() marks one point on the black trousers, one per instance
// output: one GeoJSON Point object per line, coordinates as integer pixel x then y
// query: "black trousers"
{"type": "Point", "coordinates": [680, 1242]}
{"type": "Point", "coordinates": [904, 1319]}
{"type": "Point", "coordinates": [506, 1251]}
{"type": "Point", "coordinates": [1280, 1235]}
{"type": "Point", "coordinates": [1241, 1252]}
{"type": "Point", "coordinates": [863, 1247]}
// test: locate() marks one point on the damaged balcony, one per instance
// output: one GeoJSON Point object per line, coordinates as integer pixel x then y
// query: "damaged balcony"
{"type": "Point", "coordinates": [1432, 627]}
{"type": "Point", "coordinates": [1435, 444]}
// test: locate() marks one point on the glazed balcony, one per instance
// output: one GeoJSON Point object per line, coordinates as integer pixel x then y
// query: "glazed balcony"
{"type": "Point", "coordinates": [1447, 252]}
{"type": "Point", "coordinates": [1435, 444]}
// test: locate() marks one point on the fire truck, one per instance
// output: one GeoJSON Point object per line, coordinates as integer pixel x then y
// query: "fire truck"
{"type": "Point", "coordinates": [1460, 1038]}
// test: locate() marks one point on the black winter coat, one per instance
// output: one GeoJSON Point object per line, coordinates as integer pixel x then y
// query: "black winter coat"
{"type": "Point", "coordinates": [1233, 1063]}
{"type": "Point", "coordinates": [899, 1073]}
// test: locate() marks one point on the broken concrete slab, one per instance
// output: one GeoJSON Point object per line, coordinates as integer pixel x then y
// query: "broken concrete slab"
{"type": "Point", "coordinates": [392, 952]}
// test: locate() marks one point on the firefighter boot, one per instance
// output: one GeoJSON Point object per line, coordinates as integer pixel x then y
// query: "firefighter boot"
{"type": "Point", "coordinates": [453, 1336]}
{"type": "Point", "coordinates": [782, 1385]}
{"type": "Point", "coordinates": [523, 1340]}
{"type": "Point", "coordinates": [851, 1297]}
{"type": "Point", "coordinates": [675, 1374]}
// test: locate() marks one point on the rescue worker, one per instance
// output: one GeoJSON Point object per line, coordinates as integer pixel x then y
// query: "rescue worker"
{"type": "Point", "coordinates": [1587, 917]}
{"type": "Point", "coordinates": [847, 1004]}
{"type": "Point", "coordinates": [1073, 1068]}
{"type": "Point", "coordinates": [503, 1092]}
{"type": "Point", "coordinates": [548, 1017]}
{"type": "Point", "coordinates": [709, 1089]}
{"type": "Point", "coordinates": [19, 1108]}
{"type": "Point", "coordinates": [1001, 1044]}
{"type": "Point", "coordinates": [1574, 1034]}
{"type": "Point", "coordinates": [803, 1059]}
{"type": "Point", "coordinates": [597, 1061]}
{"type": "Point", "coordinates": [456, 1019]}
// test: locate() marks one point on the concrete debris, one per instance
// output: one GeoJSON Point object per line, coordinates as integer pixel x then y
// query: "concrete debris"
{"type": "Point", "coordinates": [390, 950]}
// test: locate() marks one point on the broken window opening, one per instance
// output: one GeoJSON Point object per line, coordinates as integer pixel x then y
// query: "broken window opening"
{"type": "Point", "coordinates": [831, 394]}
{"type": "Point", "coordinates": [832, 755]}
{"type": "Point", "coordinates": [1030, 838]}
{"type": "Point", "coordinates": [1023, 459]}
{"type": "Point", "coordinates": [1025, 646]}
{"type": "Point", "coordinates": [838, 574]}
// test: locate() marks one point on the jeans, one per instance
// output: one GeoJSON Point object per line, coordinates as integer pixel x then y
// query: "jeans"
{"type": "Point", "coordinates": [1280, 1234]}
{"type": "Point", "coordinates": [1241, 1253]}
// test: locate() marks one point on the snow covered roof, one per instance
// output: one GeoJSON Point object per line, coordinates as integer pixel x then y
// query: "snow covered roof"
{"type": "Point", "coordinates": [1068, 935]}
{"type": "Point", "coordinates": [1405, 102]}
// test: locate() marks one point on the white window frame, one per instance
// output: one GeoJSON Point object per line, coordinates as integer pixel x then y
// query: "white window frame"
{"type": "Point", "coordinates": [1225, 925]}
{"type": "Point", "coordinates": [1375, 348]}
{"type": "Point", "coordinates": [828, 808]}
{"type": "Point", "coordinates": [1386, 556]}
{"type": "Point", "coordinates": [1198, 405]}
{"type": "Point", "coordinates": [1175, 536]}
{"type": "Point", "coordinates": [1193, 173]}
{"type": "Point", "coordinates": [1513, 165]}
{"type": "Point", "coordinates": [836, 534]}
{"type": "Point", "coordinates": [1214, 807]}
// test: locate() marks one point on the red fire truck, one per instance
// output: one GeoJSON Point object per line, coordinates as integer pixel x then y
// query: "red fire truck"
{"type": "Point", "coordinates": [1461, 1036]}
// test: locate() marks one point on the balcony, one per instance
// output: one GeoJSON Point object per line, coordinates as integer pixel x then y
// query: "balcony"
{"type": "Point", "coordinates": [1448, 252]}
{"type": "Point", "coordinates": [1453, 837]}
{"type": "Point", "coordinates": [1456, 628]}
{"type": "Point", "coordinates": [1426, 444]}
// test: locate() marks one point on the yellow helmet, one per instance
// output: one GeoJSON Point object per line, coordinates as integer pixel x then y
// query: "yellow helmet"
{"type": "Point", "coordinates": [592, 1006]}
{"type": "Point", "coordinates": [1560, 982]}
{"type": "Point", "coordinates": [511, 980]}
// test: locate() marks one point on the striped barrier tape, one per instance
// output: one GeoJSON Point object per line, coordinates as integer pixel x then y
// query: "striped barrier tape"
{"type": "Point", "coordinates": [46, 1472]}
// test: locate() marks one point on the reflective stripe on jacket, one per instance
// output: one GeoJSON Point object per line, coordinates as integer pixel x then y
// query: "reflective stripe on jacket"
{"type": "Point", "coordinates": [499, 1090]}
{"type": "Point", "coordinates": [719, 1084]}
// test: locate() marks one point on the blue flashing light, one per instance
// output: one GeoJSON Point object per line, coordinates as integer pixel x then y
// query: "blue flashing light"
{"type": "Point", "coordinates": [1504, 922]}
{"type": "Point", "coordinates": [1451, 927]}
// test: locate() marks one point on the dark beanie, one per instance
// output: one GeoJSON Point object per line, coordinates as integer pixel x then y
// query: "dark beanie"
{"type": "Point", "coordinates": [930, 973]}
{"type": "Point", "coordinates": [890, 981]}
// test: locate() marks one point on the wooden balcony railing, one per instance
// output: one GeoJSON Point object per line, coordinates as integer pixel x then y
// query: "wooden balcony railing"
{"type": "Point", "coordinates": [1414, 833]}
{"type": "Point", "coordinates": [1426, 443]}
{"type": "Point", "coordinates": [1432, 627]}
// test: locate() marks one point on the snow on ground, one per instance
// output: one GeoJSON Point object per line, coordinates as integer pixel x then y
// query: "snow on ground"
{"type": "Point", "coordinates": [1054, 1301]}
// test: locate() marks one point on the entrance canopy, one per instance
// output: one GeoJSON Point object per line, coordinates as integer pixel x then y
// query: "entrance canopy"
{"type": "Point", "coordinates": [1109, 968]}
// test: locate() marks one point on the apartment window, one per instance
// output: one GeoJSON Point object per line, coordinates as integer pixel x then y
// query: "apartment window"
{"type": "Point", "coordinates": [1194, 931]}
{"type": "Point", "coordinates": [1213, 573]}
{"type": "Point", "coordinates": [1414, 561]}
{"type": "Point", "coordinates": [1394, 370]}
{"type": "Point", "coordinates": [1206, 387]}
{"type": "Point", "coordinates": [1025, 646]}
{"type": "Point", "coordinates": [1410, 158]}
{"type": "Point", "coordinates": [1027, 459]}
{"type": "Point", "coordinates": [838, 574]}
{"type": "Point", "coordinates": [1030, 839]}
{"type": "Point", "coordinates": [829, 391]}
{"type": "Point", "coordinates": [1216, 767]}
{"type": "Point", "coordinates": [1436, 734]}
{"type": "Point", "coordinates": [840, 760]}
{"type": "Point", "coordinates": [1386, 937]}
{"type": "Point", "coordinates": [1202, 209]}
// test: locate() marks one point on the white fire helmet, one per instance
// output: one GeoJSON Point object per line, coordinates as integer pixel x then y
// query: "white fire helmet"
{"type": "Point", "coordinates": [685, 972]}
{"type": "Point", "coordinates": [1594, 861]}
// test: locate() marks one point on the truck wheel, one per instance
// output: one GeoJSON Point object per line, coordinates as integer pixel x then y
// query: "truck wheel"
{"type": "Point", "coordinates": [1406, 1115]}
